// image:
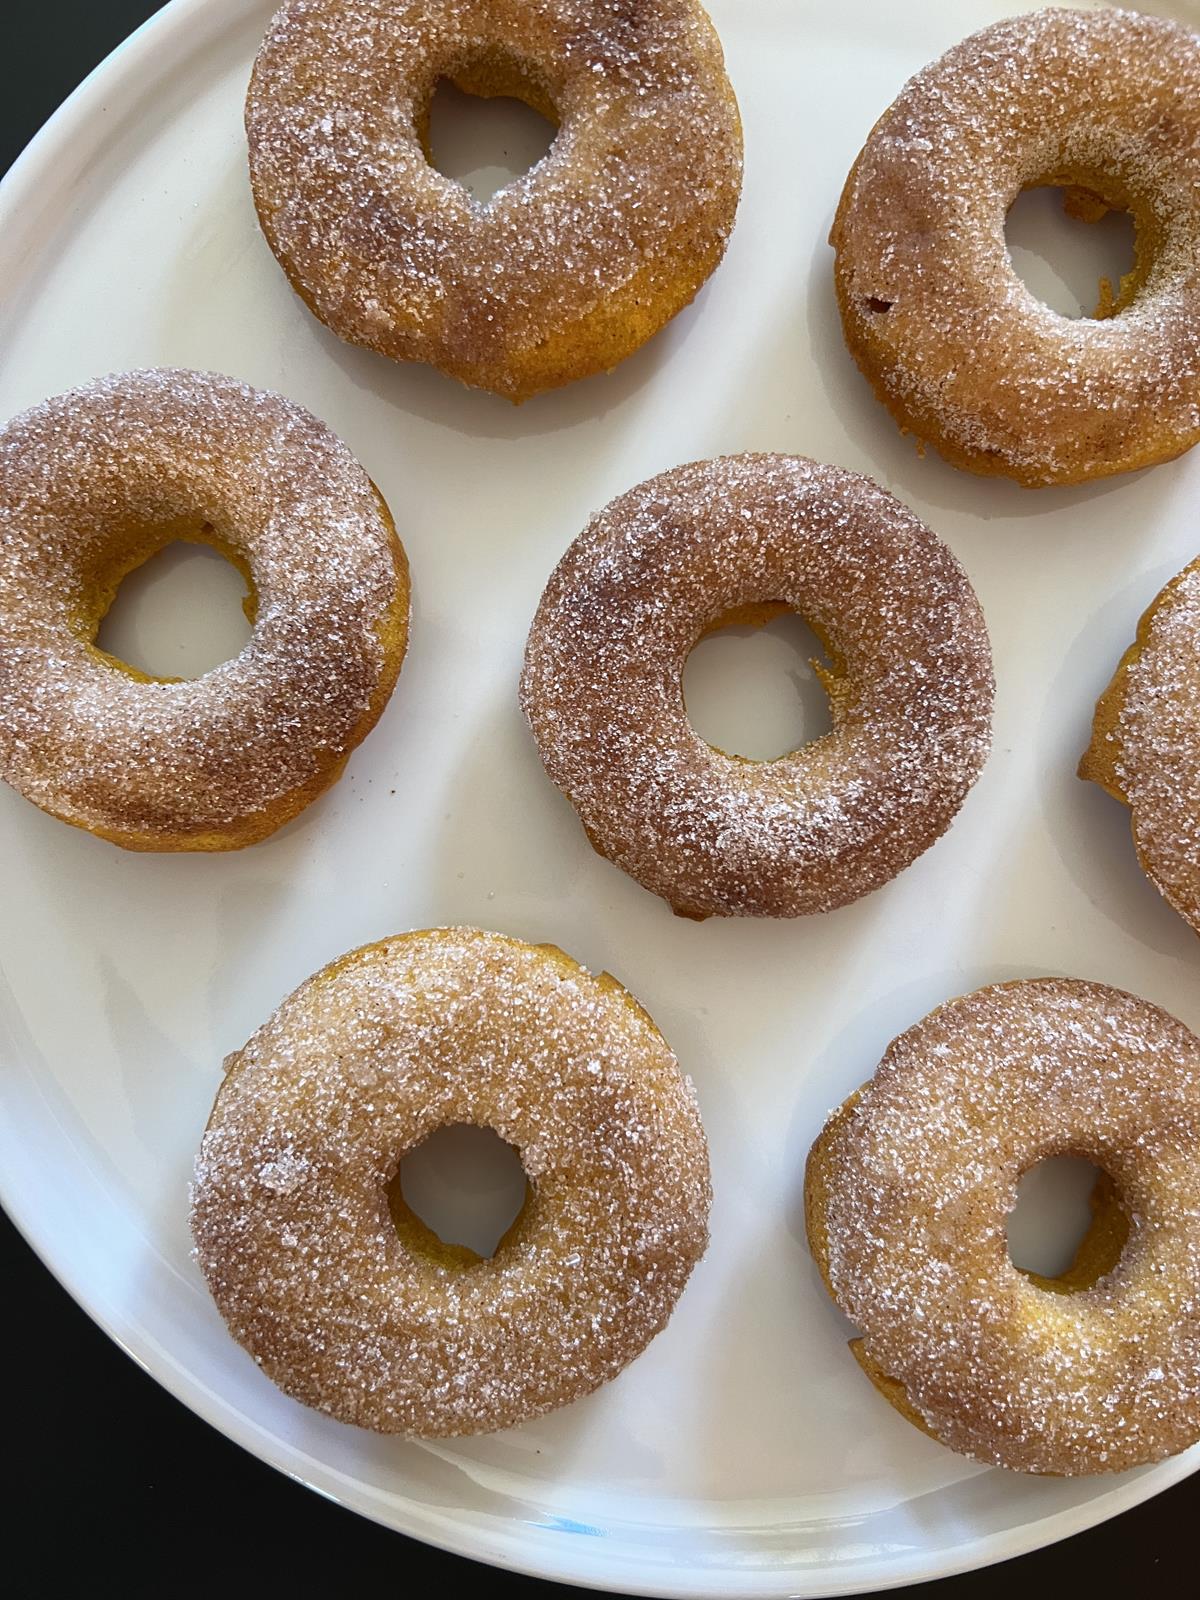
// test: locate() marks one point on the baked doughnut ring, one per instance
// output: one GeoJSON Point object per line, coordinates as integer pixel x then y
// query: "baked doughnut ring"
{"type": "Point", "coordinates": [1104, 103]}
{"type": "Point", "coordinates": [93, 483]}
{"type": "Point", "coordinates": [740, 539]}
{"type": "Point", "coordinates": [907, 1196]}
{"type": "Point", "coordinates": [1145, 747]}
{"type": "Point", "coordinates": [564, 272]}
{"type": "Point", "coordinates": [383, 1325]}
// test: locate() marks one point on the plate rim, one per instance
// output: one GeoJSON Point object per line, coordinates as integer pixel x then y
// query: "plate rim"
{"type": "Point", "coordinates": [106, 89]}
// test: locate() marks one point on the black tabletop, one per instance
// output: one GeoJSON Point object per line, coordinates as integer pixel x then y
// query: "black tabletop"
{"type": "Point", "coordinates": [112, 1484]}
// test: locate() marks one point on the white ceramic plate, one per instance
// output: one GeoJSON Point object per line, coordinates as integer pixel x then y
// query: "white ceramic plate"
{"type": "Point", "coordinates": [744, 1454]}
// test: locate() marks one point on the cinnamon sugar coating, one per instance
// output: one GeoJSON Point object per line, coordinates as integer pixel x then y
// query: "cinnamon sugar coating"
{"type": "Point", "coordinates": [908, 1193]}
{"type": "Point", "coordinates": [1145, 747]}
{"type": "Point", "coordinates": [93, 483]}
{"type": "Point", "coordinates": [910, 685]}
{"type": "Point", "coordinates": [1105, 103]}
{"type": "Point", "coordinates": [565, 271]}
{"type": "Point", "coordinates": [290, 1209]}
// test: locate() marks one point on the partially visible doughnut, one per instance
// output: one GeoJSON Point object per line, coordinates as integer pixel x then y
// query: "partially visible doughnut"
{"type": "Point", "coordinates": [374, 1320]}
{"type": "Point", "coordinates": [95, 482]}
{"type": "Point", "coordinates": [907, 1197]}
{"type": "Point", "coordinates": [739, 539]}
{"type": "Point", "coordinates": [1145, 747]}
{"type": "Point", "coordinates": [1105, 103]}
{"type": "Point", "coordinates": [565, 271]}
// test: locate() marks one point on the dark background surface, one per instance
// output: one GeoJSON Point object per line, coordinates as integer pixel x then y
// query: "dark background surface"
{"type": "Point", "coordinates": [114, 1486]}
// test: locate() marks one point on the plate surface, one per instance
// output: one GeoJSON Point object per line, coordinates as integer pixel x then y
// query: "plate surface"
{"type": "Point", "coordinates": [743, 1454]}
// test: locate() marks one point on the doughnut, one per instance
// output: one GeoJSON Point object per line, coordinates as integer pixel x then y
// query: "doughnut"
{"type": "Point", "coordinates": [342, 1295]}
{"type": "Point", "coordinates": [1105, 104]}
{"type": "Point", "coordinates": [566, 270]}
{"type": "Point", "coordinates": [1145, 747]}
{"type": "Point", "coordinates": [741, 539]}
{"type": "Point", "coordinates": [95, 482]}
{"type": "Point", "coordinates": [907, 1195]}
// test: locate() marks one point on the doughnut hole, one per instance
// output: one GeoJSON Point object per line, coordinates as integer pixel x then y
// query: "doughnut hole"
{"type": "Point", "coordinates": [179, 606]}
{"type": "Point", "coordinates": [459, 1195]}
{"type": "Point", "coordinates": [487, 123]}
{"type": "Point", "coordinates": [1073, 250]}
{"type": "Point", "coordinates": [1069, 1226]}
{"type": "Point", "coordinates": [756, 684]}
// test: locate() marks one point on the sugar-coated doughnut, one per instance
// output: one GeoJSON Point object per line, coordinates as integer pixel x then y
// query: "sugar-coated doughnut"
{"type": "Point", "coordinates": [1145, 747]}
{"type": "Point", "coordinates": [371, 1318]}
{"type": "Point", "coordinates": [566, 270]}
{"type": "Point", "coordinates": [93, 483]}
{"type": "Point", "coordinates": [739, 539]}
{"type": "Point", "coordinates": [907, 1197]}
{"type": "Point", "coordinates": [1104, 103]}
